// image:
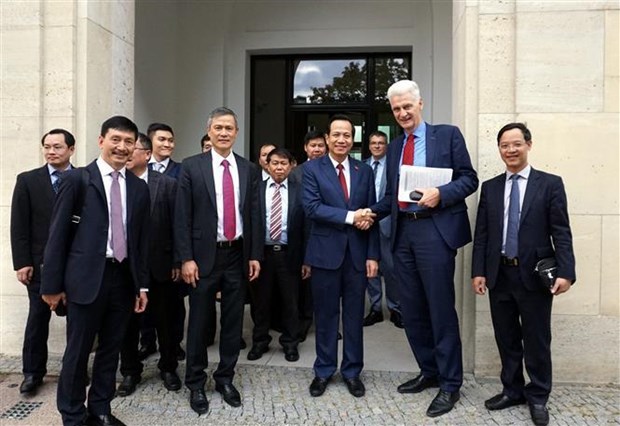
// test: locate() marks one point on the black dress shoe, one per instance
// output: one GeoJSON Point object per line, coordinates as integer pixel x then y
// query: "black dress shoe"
{"type": "Point", "coordinates": [30, 385]}
{"type": "Point", "coordinates": [396, 319]}
{"type": "Point", "coordinates": [318, 386]}
{"type": "Point", "coordinates": [257, 352]}
{"type": "Point", "coordinates": [418, 384]}
{"type": "Point", "coordinates": [540, 415]}
{"type": "Point", "coordinates": [372, 318]}
{"type": "Point", "coordinates": [501, 401]}
{"type": "Point", "coordinates": [198, 401]}
{"type": "Point", "coordinates": [243, 345]}
{"type": "Point", "coordinates": [103, 420]}
{"type": "Point", "coordinates": [291, 354]}
{"type": "Point", "coordinates": [229, 393]}
{"type": "Point", "coordinates": [146, 351]}
{"type": "Point", "coordinates": [180, 353]}
{"type": "Point", "coordinates": [443, 402]}
{"type": "Point", "coordinates": [355, 386]}
{"type": "Point", "coordinates": [171, 380]}
{"type": "Point", "coordinates": [128, 385]}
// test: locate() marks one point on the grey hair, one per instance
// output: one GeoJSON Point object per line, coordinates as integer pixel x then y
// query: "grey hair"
{"type": "Point", "coordinates": [403, 87]}
{"type": "Point", "coordinates": [219, 112]}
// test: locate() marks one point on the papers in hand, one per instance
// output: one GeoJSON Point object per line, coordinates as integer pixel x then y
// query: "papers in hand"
{"type": "Point", "coordinates": [412, 177]}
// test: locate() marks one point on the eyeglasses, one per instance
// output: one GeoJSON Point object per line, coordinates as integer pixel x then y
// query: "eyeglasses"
{"type": "Point", "coordinates": [142, 149]}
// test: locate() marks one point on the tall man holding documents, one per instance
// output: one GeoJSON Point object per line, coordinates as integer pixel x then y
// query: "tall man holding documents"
{"type": "Point", "coordinates": [425, 237]}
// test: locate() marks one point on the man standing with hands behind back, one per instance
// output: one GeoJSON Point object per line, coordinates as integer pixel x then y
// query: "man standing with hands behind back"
{"type": "Point", "coordinates": [522, 218]}
{"type": "Point", "coordinates": [96, 262]}
{"type": "Point", "coordinates": [342, 252]}
{"type": "Point", "coordinates": [425, 238]}
{"type": "Point", "coordinates": [219, 241]}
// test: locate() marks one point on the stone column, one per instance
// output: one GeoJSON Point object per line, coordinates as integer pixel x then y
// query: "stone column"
{"type": "Point", "coordinates": [66, 64]}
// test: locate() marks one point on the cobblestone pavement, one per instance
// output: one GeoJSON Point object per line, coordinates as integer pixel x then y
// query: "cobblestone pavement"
{"type": "Point", "coordinates": [279, 396]}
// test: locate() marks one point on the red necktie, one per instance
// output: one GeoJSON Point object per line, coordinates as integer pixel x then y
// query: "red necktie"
{"type": "Point", "coordinates": [230, 221]}
{"type": "Point", "coordinates": [407, 161]}
{"type": "Point", "coordinates": [343, 182]}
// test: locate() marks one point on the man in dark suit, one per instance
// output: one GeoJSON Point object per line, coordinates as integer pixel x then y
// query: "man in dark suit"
{"type": "Point", "coordinates": [522, 218]}
{"type": "Point", "coordinates": [218, 239]}
{"type": "Point", "coordinates": [283, 221]}
{"type": "Point", "coordinates": [163, 278]}
{"type": "Point", "coordinates": [163, 142]}
{"type": "Point", "coordinates": [31, 209]}
{"type": "Point", "coordinates": [377, 144]}
{"type": "Point", "coordinates": [162, 138]}
{"type": "Point", "coordinates": [335, 189]}
{"type": "Point", "coordinates": [314, 147]}
{"type": "Point", "coordinates": [96, 262]}
{"type": "Point", "coordinates": [425, 238]}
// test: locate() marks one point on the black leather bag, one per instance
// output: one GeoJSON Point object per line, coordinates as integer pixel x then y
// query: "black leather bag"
{"type": "Point", "coordinates": [547, 271]}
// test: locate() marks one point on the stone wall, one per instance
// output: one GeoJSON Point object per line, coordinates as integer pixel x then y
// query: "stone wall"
{"type": "Point", "coordinates": [553, 65]}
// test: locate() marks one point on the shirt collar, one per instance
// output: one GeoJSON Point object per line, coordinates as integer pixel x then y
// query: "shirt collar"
{"type": "Point", "coordinates": [335, 163]}
{"type": "Point", "coordinates": [51, 169]}
{"type": "Point", "coordinates": [419, 132]}
{"type": "Point", "coordinates": [106, 169]}
{"type": "Point", "coordinates": [163, 162]}
{"type": "Point", "coordinates": [270, 182]}
{"type": "Point", "coordinates": [217, 158]}
{"type": "Point", "coordinates": [524, 173]}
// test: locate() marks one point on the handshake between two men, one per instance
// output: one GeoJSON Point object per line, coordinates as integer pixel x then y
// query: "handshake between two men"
{"type": "Point", "coordinates": [363, 219]}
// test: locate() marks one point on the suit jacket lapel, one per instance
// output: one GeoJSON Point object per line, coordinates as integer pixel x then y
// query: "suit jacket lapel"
{"type": "Point", "coordinates": [431, 145]}
{"type": "Point", "coordinates": [292, 198]}
{"type": "Point", "coordinates": [354, 175]}
{"type": "Point", "coordinates": [206, 167]}
{"type": "Point", "coordinates": [530, 193]}
{"type": "Point", "coordinates": [332, 176]}
{"type": "Point", "coordinates": [97, 181]}
{"type": "Point", "coordinates": [45, 182]}
{"type": "Point", "coordinates": [154, 180]}
{"type": "Point", "coordinates": [243, 179]}
{"type": "Point", "coordinates": [262, 189]}
{"type": "Point", "coordinates": [131, 182]}
{"type": "Point", "coordinates": [496, 198]}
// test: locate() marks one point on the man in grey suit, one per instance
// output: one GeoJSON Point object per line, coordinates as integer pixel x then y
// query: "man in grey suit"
{"type": "Point", "coordinates": [377, 143]}
{"type": "Point", "coordinates": [218, 238]}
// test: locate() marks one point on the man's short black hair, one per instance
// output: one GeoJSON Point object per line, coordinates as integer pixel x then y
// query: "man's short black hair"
{"type": "Point", "coordinates": [282, 153]}
{"type": "Point", "coordinates": [153, 127]}
{"type": "Point", "coordinates": [527, 135]}
{"type": "Point", "coordinates": [341, 117]}
{"type": "Point", "coordinates": [145, 141]}
{"type": "Point", "coordinates": [69, 139]}
{"type": "Point", "coordinates": [313, 134]}
{"type": "Point", "coordinates": [119, 122]}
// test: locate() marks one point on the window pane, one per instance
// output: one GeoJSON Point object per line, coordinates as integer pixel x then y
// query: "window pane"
{"type": "Point", "coordinates": [389, 71]}
{"type": "Point", "coordinates": [330, 81]}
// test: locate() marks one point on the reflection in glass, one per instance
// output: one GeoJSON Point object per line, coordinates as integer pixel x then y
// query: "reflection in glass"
{"type": "Point", "coordinates": [388, 71]}
{"type": "Point", "coordinates": [329, 81]}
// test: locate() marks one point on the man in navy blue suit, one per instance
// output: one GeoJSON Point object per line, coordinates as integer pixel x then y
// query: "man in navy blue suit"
{"type": "Point", "coordinates": [425, 238]}
{"type": "Point", "coordinates": [96, 262]}
{"type": "Point", "coordinates": [342, 253]}
{"type": "Point", "coordinates": [504, 259]}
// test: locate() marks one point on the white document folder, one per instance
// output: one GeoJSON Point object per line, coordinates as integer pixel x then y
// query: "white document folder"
{"type": "Point", "coordinates": [412, 177]}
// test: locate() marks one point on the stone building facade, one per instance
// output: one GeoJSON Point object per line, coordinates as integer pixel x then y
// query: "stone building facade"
{"type": "Point", "coordinates": [480, 64]}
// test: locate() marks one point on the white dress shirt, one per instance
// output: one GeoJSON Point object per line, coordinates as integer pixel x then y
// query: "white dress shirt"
{"type": "Point", "coordinates": [347, 177]}
{"type": "Point", "coordinates": [106, 175]}
{"type": "Point", "coordinates": [159, 166]}
{"type": "Point", "coordinates": [269, 191]}
{"type": "Point", "coordinates": [218, 173]}
{"type": "Point", "coordinates": [522, 182]}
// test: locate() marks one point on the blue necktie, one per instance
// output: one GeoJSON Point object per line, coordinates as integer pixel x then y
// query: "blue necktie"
{"type": "Point", "coordinates": [56, 184]}
{"type": "Point", "coordinates": [512, 232]}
